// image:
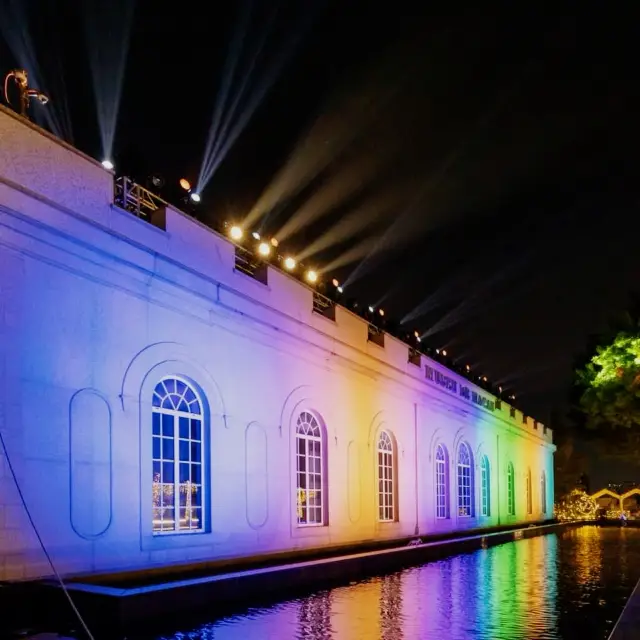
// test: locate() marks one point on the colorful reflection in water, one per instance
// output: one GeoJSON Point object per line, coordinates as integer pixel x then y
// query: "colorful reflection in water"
{"type": "Point", "coordinates": [570, 585]}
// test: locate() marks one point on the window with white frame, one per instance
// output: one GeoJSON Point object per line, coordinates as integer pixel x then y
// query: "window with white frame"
{"type": "Point", "coordinates": [442, 488]}
{"type": "Point", "coordinates": [465, 484]}
{"type": "Point", "coordinates": [177, 443]}
{"type": "Point", "coordinates": [485, 487]}
{"type": "Point", "coordinates": [529, 496]}
{"type": "Point", "coordinates": [543, 493]}
{"type": "Point", "coordinates": [309, 471]}
{"type": "Point", "coordinates": [386, 479]}
{"type": "Point", "coordinates": [511, 491]}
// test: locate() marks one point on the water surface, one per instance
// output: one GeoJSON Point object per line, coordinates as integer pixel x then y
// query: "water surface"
{"type": "Point", "coordinates": [568, 585]}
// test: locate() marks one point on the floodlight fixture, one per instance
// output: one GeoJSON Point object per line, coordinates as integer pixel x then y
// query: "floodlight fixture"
{"type": "Point", "coordinates": [185, 184]}
{"type": "Point", "coordinates": [335, 283]}
{"type": "Point", "coordinates": [255, 235]}
{"type": "Point", "coordinates": [264, 249]}
{"type": "Point", "coordinates": [21, 79]}
{"type": "Point", "coordinates": [274, 242]}
{"type": "Point", "coordinates": [339, 289]}
{"type": "Point", "coordinates": [290, 263]}
{"type": "Point", "coordinates": [444, 352]}
{"type": "Point", "coordinates": [371, 309]}
{"type": "Point", "coordinates": [381, 312]}
{"type": "Point", "coordinates": [312, 276]}
{"type": "Point", "coordinates": [107, 164]}
{"type": "Point", "coordinates": [195, 196]}
{"type": "Point", "coordinates": [236, 232]}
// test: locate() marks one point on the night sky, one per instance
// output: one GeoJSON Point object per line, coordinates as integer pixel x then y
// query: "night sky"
{"type": "Point", "coordinates": [473, 173]}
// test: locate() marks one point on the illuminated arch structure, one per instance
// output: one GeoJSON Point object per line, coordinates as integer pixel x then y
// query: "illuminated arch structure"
{"type": "Point", "coordinates": [620, 497]}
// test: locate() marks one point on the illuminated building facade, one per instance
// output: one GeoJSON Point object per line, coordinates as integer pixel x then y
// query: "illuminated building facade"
{"type": "Point", "coordinates": [160, 406]}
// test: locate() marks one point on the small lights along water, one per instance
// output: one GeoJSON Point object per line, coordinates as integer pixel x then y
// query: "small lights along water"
{"type": "Point", "coordinates": [570, 585]}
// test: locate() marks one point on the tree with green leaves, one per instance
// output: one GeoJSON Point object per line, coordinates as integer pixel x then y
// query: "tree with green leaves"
{"type": "Point", "coordinates": [610, 383]}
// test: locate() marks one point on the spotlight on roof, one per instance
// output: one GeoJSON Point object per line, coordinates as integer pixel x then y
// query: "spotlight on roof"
{"type": "Point", "coordinates": [255, 235]}
{"type": "Point", "coordinates": [381, 312]}
{"type": "Point", "coordinates": [185, 184]}
{"type": "Point", "coordinates": [438, 351]}
{"type": "Point", "coordinates": [290, 263]}
{"type": "Point", "coordinates": [157, 181]}
{"type": "Point", "coordinates": [264, 249]}
{"type": "Point", "coordinates": [371, 309]}
{"type": "Point", "coordinates": [195, 196]}
{"type": "Point", "coordinates": [274, 242]}
{"type": "Point", "coordinates": [444, 352]}
{"type": "Point", "coordinates": [335, 283]}
{"type": "Point", "coordinates": [236, 232]}
{"type": "Point", "coordinates": [107, 164]}
{"type": "Point", "coordinates": [499, 389]}
{"type": "Point", "coordinates": [467, 367]}
{"type": "Point", "coordinates": [484, 378]}
{"type": "Point", "coordinates": [339, 289]}
{"type": "Point", "coordinates": [312, 276]}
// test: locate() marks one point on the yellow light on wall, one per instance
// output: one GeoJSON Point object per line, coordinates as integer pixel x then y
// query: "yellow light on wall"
{"type": "Point", "coordinates": [264, 249]}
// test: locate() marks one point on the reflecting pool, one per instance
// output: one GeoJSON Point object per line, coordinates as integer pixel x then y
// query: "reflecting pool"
{"type": "Point", "coordinates": [568, 585]}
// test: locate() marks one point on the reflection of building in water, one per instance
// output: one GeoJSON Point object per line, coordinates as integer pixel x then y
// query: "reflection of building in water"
{"type": "Point", "coordinates": [355, 610]}
{"type": "Point", "coordinates": [181, 399]}
{"type": "Point", "coordinates": [314, 617]}
{"type": "Point", "coordinates": [391, 607]}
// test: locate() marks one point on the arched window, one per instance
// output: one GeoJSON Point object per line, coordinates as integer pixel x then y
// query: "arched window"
{"type": "Point", "coordinates": [442, 488]}
{"type": "Point", "coordinates": [386, 479]}
{"type": "Point", "coordinates": [543, 493]}
{"type": "Point", "coordinates": [177, 442]}
{"type": "Point", "coordinates": [465, 484]}
{"type": "Point", "coordinates": [529, 496]}
{"type": "Point", "coordinates": [310, 471]}
{"type": "Point", "coordinates": [511, 491]}
{"type": "Point", "coordinates": [485, 497]}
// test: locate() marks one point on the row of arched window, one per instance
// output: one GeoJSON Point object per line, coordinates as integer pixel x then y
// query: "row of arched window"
{"type": "Point", "coordinates": [178, 459]}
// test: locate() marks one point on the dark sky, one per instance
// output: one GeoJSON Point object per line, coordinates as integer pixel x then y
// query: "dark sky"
{"type": "Point", "coordinates": [480, 168]}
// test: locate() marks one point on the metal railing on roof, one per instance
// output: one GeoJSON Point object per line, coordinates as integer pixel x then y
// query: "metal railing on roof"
{"type": "Point", "coordinates": [135, 199]}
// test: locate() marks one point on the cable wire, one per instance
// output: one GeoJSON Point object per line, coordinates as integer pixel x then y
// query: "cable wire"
{"type": "Point", "coordinates": [41, 541]}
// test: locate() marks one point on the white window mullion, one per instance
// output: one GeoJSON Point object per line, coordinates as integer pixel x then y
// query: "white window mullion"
{"type": "Point", "coordinates": [176, 472]}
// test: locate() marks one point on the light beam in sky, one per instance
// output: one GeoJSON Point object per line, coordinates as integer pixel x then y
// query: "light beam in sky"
{"type": "Point", "coordinates": [108, 33]}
